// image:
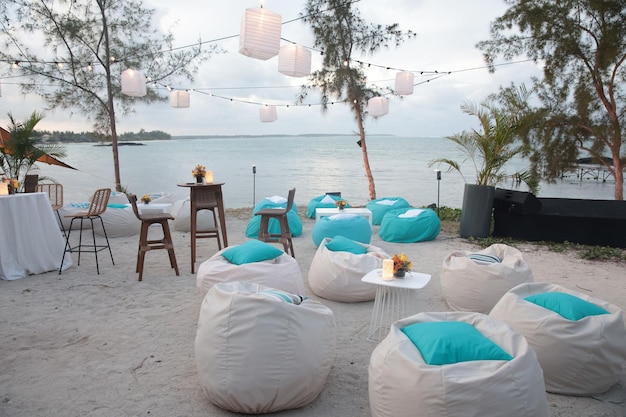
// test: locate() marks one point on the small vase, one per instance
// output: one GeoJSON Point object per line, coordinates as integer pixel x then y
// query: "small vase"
{"type": "Point", "coordinates": [341, 207]}
{"type": "Point", "coordinates": [399, 273]}
{"type": "Point", "coordinates": [146, 202]}
{"type": "Point", "coordinates": [199, 178]}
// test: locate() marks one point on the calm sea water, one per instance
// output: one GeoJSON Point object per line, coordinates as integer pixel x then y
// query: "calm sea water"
{"type": "Point", "coordinates": [313, 165]}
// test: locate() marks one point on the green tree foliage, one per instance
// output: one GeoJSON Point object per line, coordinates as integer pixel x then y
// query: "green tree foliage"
{"type": "Point", "coordinates": [341, 33]}
{"type": "Point", "coordinates": [72, 54]}
{"type": "Point", "coordinates": [20, 152]}
{"type": "Point", "coordinates": [582, 49]}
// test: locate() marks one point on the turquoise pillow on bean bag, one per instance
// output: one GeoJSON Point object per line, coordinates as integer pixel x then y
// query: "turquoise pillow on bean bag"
{"type": "Point", "coordinates": [251, 251]}
{"type": "Point", "coordinates": [403, 226]}
{"type": "Point", "coordinates": [351, 226]}
{"type": "Point", "coordinates": [447, 342]}
{"type": "Point", "coordinates": [322, 201]}
{"type": "Point", "coordinates": [566, 305]}
{"type": "Point", "coordinates": [295, 224]}
{"type": "Point", "coordinates": [380, 206]}
{"type": "Point", "coordinates": [343, 244]}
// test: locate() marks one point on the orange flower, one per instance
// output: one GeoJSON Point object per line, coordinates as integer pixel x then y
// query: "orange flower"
{"type": "Point", "coordinates": [401, 261]}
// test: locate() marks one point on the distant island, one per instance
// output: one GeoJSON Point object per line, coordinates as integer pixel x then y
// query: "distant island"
{"type": "Point", "coordinates": [93, 137]}
{"type": "Point", "coordinates": [131, 138]}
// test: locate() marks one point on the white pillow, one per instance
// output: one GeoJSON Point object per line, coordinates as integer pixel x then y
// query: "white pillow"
{"type": "Point", "coordinates": [411, 213]}
{"type": "Point", "coordinates": [387, 202]}
{"type": "Point", "coordinates": [327, 199]}
{"type": "Point", "coordinates": [277, 199]}
{"type": "Point", "coordinates": [342, 216]}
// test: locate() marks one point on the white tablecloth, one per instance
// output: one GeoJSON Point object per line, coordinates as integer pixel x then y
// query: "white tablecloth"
{"type": "Point", "coordinates": [30, 239]}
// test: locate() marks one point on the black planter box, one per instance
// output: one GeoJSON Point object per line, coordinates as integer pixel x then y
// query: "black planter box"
{"type": "Point", "coordinates": [521, 215]}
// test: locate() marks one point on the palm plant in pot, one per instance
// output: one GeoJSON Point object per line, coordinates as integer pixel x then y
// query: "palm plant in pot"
{"type": "Point", "coordinates": [488, 149]}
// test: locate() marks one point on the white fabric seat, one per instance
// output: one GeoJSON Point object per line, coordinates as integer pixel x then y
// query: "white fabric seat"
{"type": "Point", "coordinates": [401, 383]}
{"type": "Point", "coordinates": [257, 353]}
{"type": "Point", "coordinates": [581, 357]}
{"type": "Point", "coordinates": [477, 285]}
{"type": "Point", "coordinates": [282, 273]}
{"type": "Point", "coordinates": [336, 275]}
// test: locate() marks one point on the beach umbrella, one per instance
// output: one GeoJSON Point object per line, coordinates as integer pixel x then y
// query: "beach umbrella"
{"type": "Point", "coordinates": [45, 158]}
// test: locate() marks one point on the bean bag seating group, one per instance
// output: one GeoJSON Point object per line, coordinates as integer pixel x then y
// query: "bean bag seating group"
{"type": "Point", "coordinates": [295, 224]}
{"type": "Point", "coordinates": [409, 225]}
{"type": "Point", "coordinates": [259, 350]}
{"type": "Point", "coordinates": [455, 364]}
{"type": "Point", "coordinates": [351, 226]}
{"type": "Point", "coordinates": [380, 206]}
{"type": "Point", "coordinates": [322, 201]}
{"type": "Point", "coordinates": [252, 261]}
{"type": "Point", "coordinates": [580, 340]}
{"type": "Point", "coordinates": [181, 210]}
{"type": "Point", "coordinates": [475, 281]}
{"type": "Point", "coordinates": [338, 266]}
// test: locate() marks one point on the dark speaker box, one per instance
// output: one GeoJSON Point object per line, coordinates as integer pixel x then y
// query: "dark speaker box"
{"type": "Point", "coordinates": [518, 202]}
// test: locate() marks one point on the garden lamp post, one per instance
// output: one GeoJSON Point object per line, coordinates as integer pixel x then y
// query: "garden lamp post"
{"type": "Point", "coordinates": [253, 184]}
{"type": "Point", "coordinates": [438, 172]}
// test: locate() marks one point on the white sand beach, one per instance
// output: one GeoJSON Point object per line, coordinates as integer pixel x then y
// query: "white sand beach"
{"type": "Point", "coordinates": [82, 344]}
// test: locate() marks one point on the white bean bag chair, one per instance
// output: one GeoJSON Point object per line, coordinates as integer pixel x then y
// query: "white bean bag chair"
{"type": "Point", "coordinates": [580, 340]}
{"type": "Point", "coordinates": [279, 270]}
{"type": "Point", "coordinates": [336, 270]}
{"type": "Point", "coordinates": [259, 350]}
{"type": "Point", "coordinates": [455, 373]}
{"type": "Point", "coordinates": [181, 210]}
{"type": "Point", "coordinates": [475, 281]}
{"type": "Point", "coordinates": [119, 221]}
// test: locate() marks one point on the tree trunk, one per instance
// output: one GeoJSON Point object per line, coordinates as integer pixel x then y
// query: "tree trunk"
{"type": "Point", "coordinates": [366, 162]}
{"type": "Point", "coordinates": [619, 179]}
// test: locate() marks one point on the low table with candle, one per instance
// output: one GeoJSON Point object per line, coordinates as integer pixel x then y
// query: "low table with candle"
{"type": "Point", "coordinates": [395, 299]}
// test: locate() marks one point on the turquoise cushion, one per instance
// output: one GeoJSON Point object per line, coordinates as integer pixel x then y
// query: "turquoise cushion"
{"type": "Point", "coordinates": [380, 206]}
{"type": "Point", "coordinates": [446, 342]}
{"type": "Point", "coordinates": [115, 205]}
{"type": "Point", "coordinates": [251, 251]}
{"type": "Point", "coordinates": [566, 305]}
{"type": "Point", "coordinates": [340, 243]}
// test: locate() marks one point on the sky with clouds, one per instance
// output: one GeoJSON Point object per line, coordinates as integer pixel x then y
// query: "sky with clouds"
{"type": "Point", "coordinates": [447, 32]}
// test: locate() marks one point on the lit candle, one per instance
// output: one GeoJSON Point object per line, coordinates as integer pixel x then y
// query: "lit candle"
{"type": "Point", "coordinates": [209, 177]}
{"type": "Point", "coordinates": [4, 188]}
{"type": "Point", "coordinates": [387, 269]}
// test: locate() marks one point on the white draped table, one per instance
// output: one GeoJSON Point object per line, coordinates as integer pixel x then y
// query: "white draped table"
{"type": "Point", "coordinates": [30, 239]}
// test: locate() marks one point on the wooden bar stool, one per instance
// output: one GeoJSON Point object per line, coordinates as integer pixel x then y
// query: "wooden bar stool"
{"type": "Point", "coordinates": [203, 198]}
{"type": "Point", "coordinates": [145, 244]}
{"type": "Point", "coordinates": [284, 236]}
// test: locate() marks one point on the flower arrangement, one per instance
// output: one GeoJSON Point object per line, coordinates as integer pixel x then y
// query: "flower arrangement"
{"type": "Point", "coordinates": [146, 198]}
{"type": "Point", "coordinates": [199, 171]}
{"type": "Point", "coordinates": [13, 185]}
{"type": "Point", "coordinates": [401, 264]}
{"type": "Point", "coordinates": [341, 204]}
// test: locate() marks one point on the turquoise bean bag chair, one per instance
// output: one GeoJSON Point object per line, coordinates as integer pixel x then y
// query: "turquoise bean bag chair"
{"type": "Point", "coordinates": [295, 224]}
{"type": "Point", "coordinates": [409, 225]}
{"type": "Point", "coordinates": [321, 201]}
{"type": "Point", "coordinates": [351, 226]}
{"type": "Point", "coordinates": [381, 206]}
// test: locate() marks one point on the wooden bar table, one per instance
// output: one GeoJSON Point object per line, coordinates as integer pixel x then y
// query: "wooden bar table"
{"type": "Point", "coordinates": [205, 196]}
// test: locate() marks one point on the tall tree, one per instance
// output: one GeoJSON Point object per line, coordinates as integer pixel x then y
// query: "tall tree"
{"type": "Point", "coordinates": [340, 32]}
{"type": "Point", "coordinates": [78, 49]}
{"type": "Point", "coordinates": [581, 45]}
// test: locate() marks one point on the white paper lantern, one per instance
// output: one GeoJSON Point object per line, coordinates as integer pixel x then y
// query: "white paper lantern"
{"type": "Point", "coordinates": [268, 114]}
{"type": "Point", "coordinates": [404, 83]}
{"type": "Point", "coordinates": [133, 83]}
{"type": "Point", "coordinates": [378, 106]}
{"type": "Point", "coordinates": [179, 99]}
{"type": "Point", "coordinates": [260, 33]}
{"type": "Point", "coordinates": [294, 60]}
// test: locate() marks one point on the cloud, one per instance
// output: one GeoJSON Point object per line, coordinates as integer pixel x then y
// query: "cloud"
{"type": "Point", "coordinates": [446, 38]}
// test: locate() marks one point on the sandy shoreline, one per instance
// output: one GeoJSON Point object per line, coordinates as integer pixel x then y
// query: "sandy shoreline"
{"type": "Point", "coordinates": [81, 344]}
